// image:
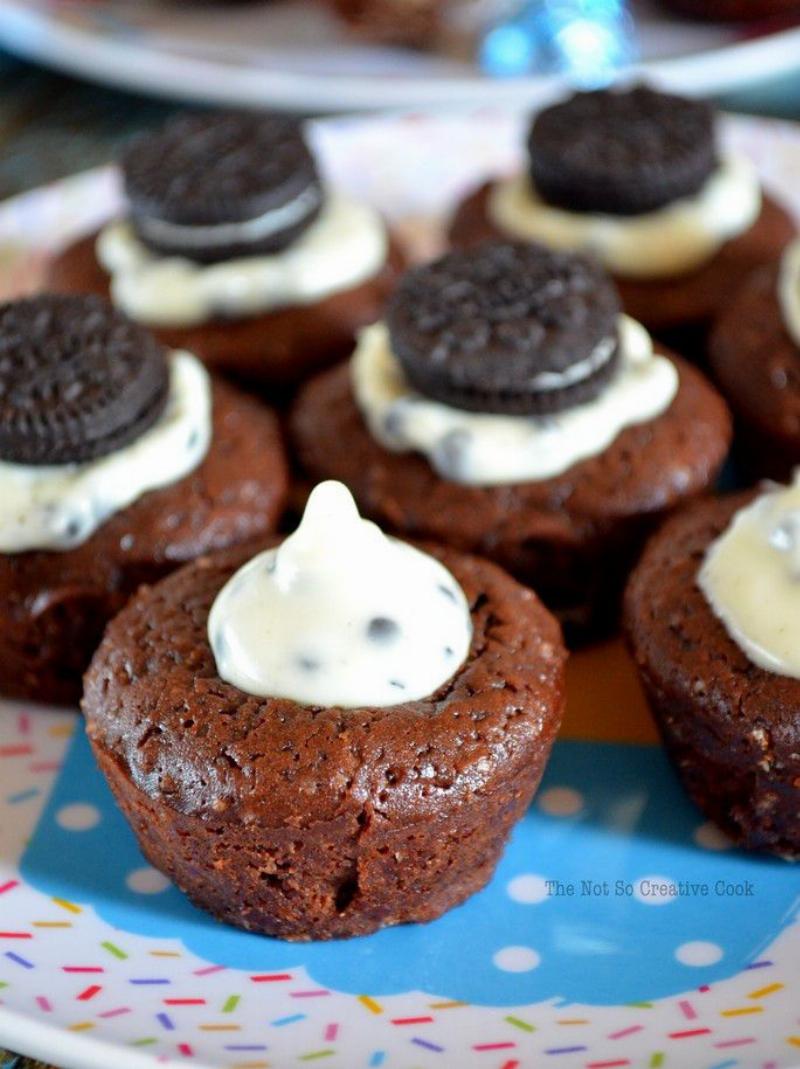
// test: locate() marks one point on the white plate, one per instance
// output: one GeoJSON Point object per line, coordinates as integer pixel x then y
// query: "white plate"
{"type": "Point", "coordinates": [102, 964]}
{"type": "Point", "coordinates": [291, 54]}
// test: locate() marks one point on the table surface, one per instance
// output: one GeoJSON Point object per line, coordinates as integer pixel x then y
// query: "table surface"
{"type": "Point", "coordinates": [52, 125]}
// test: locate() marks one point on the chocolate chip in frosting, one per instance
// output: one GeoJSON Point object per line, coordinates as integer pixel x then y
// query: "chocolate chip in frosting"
{"type": "Point", "coordinates": [382, 629]}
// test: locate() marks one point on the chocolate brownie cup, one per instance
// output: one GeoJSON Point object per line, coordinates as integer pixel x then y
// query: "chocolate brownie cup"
{"type": "Point", "coordinates": [561, 493]}
{"type": "Point", "coordinates": [729, 724]}
{"type": "Point", "coordinates": [308, 819]}
{"type": "Point", "coordinates": [118, 462]}
{"type": "Point", "coordinates": [636, 177]}
{"type": "Point", "coordinates": [233, 248]}
{"type": "Point", "coordinates": [755, 357]}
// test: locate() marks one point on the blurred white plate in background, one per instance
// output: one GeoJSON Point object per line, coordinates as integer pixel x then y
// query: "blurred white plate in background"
{"type": "Point", "coordinates": [292, 54]}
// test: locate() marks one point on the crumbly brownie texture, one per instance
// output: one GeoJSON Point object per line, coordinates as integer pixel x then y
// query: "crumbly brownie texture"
{"type": "Point", "coordinates": [621, 152]}
{"type": "Point", "coordinates": [730, 727]}
{"type": "Point", "coordinates": [222, 167]}
{"type": "Point", "coordinates": [278, 348]}
{"type": "Point", "coordinates": [757, 365]}
{"type": "Point", "coordinates": [303, 822]}
{"type": "Point", "coordinates": [55, 605]}
{"type": "Point", "coordinates": [477, 329]}
{"type": "Point", "coordinates": [573, 538]}
{"type": "Point", "coordinates": [77, 380]}
{"type": "Point", "coordinates": [663, 303]}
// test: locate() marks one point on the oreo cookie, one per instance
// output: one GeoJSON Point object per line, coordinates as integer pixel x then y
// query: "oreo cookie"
{"type": "Point", "coordinates": [77, 380]}
{"type": "Point", "coordinates": [507, 328]}
{"type": "Point", "coordinates": [621, 152]}
{"type": "Point", "coordinates": [218, 186]}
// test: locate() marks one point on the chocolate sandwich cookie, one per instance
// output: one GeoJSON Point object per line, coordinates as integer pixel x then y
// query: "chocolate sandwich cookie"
{"type": "Point", "coordinates": [509, 328]}
{"type": "Point", "coordinates": [621, 152]}
{"type": "Point", "coordinates": [77, 380]}
{"type": "Point", "coordinates": [217, 186]}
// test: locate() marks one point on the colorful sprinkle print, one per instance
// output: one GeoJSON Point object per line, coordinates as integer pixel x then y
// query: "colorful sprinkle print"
{"type": "Point", "coordinates": [97, 945]}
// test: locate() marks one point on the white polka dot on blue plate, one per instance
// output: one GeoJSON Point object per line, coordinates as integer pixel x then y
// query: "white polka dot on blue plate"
{"type": "Point", "coordinates": [527, 889]}
{"type": "Point", "coordinates": [147, 881]}
{"type": "Point", "coordinates": [699, 953]}
{"type": "Point", "coordinates": [79, 816]}
{"type": "Point", "coordinates": [516, 959]}
{"type": "Point", "coordinates": [560, 801]}
{"type": "Point", "coordinates": [710, 837]}
{"type": "Point", "coordinates": [655, 890]}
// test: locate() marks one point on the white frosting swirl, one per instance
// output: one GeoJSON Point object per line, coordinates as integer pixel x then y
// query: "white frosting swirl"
{"type": "Point", "coordinates": [59, 506]}
{"type": "Point", "coordinates": [673, 240]}
{"type": "Point", "coordinates": [340, 615]}
{"type": "Point", "coordinates": [483, 449]}
{"type": "Point", "coordinates": [751, 579]}
{"type": "Point", "coordinates": [344, 246]}
{"type": "Point", "coordinates": [789, 289]}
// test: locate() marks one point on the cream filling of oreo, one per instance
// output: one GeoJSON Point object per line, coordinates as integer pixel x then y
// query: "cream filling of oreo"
{"type": "Point", "coordinates": [789, 290]}
{"type": "Point", "coordinates": [59, 506]}
{"type": "Point", "coordinates": [249, 230]}
{"type": "Point", "coordinates": [345, 246]}
{"type": "Point", "coordinates": [484, 449]}
{"type": "Point", "coordinates": [340, 615]}
{"type": "Point", "coordinates": [751, 579]}
{"type": "Point", "coordinates": [673, 240]}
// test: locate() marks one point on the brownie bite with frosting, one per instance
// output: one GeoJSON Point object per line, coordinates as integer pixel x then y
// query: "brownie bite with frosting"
{"type": "Point", "coordinates": [712, 614]}
{"type": "Point", "coordinates": [332, 736]}
{"type": "Point", "coordinates": [637, 177]}
{"type": "Point", "coordinates": [233, 247]}
{"type": "Point", "coordinates": [755, 357]}
{"type": "Point", "coordinates": [506, 407]}
{"type": "Point", "coordinates": [119, 460]}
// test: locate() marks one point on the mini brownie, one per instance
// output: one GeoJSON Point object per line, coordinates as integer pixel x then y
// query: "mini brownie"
{"type": "Point", "coordinates": [190, 187]}
{"type": "Point", "coordinates": [624, 154]}
{"type": "Point", "coordinates": [730, 727]}
{"type": "Point", "coordinates": [756, 363]}
{"type": "Point", "coordinates": [305, 822]}
{"type": "Point", "coordinates": [487, 324]}
{"type": "Point", "coordinates": [79, 382]}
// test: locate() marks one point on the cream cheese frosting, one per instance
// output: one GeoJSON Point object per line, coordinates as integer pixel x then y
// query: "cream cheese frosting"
{"type": "Point", "coordinates": [56, 507]}
{"type": "Point", "coordinates": [672, 240]}
{"type": "Point", "coordinates": [751, 579]}
{"type": "Point", "coordinates": [344, 246]}
{"type": "Point", "coordinates": [484, 449]}
{"type": "Point", "coordinates": [789, 289]}
{"type": "Point", "coordinates": [340, 615]}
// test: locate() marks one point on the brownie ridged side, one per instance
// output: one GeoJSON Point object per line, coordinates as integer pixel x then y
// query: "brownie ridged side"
{"type": "Point", "coordinates": [730, 727]}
